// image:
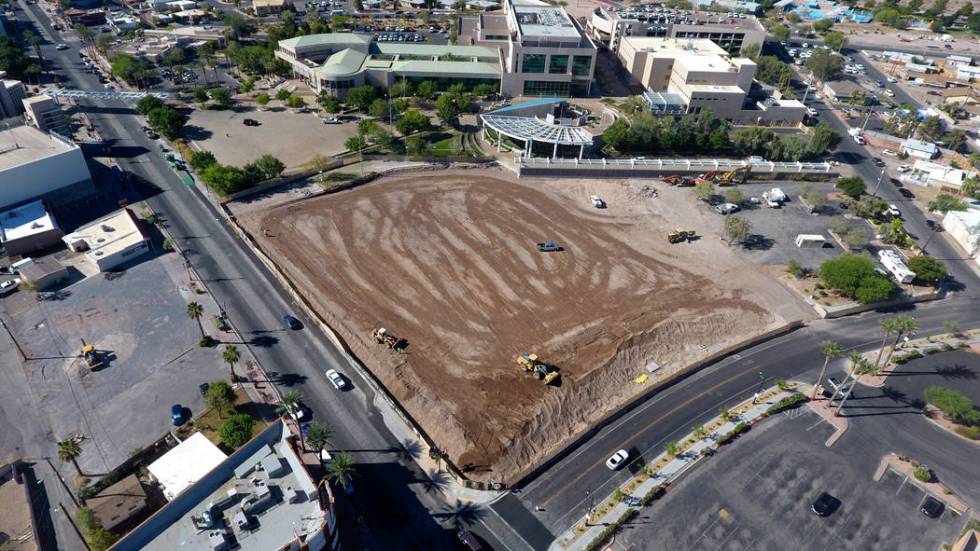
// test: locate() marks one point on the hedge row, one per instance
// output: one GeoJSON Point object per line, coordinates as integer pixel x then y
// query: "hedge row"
{"type": "Point", "coordinates": [610, 530]}
{"type": "Point", "coordinates": [739, 429]}
{"type": "Point", "coordinates": [787, 403]}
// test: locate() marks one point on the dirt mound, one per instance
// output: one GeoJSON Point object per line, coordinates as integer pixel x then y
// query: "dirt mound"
{"type": "Point", "coordinates": [448, 262]}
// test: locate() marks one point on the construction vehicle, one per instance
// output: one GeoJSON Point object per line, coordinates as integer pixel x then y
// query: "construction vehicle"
{"type": "Point", "coordinates": [527, 362]}
{"type": "Point", "coordinates": [384, 337]}
{"type": "Point", "coordinates": [91, 356]}
{"type": "Point", "coordinates": [678, 180]}
{"type": "Point", "coordinates": [679, 235]}
{"type": "Point", "coordinates": [541, 370]}
{"type": "Point", "coordinates": [734, 176]}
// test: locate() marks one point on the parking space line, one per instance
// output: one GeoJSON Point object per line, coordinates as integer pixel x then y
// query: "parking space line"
{"type": "Point", "coordinates": [902, 485]}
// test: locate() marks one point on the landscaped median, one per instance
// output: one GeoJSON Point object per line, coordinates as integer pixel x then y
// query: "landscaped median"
{"type": "Point", "coordinates": [608, 517]}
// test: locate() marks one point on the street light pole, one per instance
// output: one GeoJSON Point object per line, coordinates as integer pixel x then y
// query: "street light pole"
{"type": "Point", "coordinates": [880, 178]}
{"type": "Point", "coordinates": [762, 380]}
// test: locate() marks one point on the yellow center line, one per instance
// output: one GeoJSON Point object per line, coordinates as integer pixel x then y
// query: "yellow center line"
{"type": "Point", "coordinates": [672, 411]}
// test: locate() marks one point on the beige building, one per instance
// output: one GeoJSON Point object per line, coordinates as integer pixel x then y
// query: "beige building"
{"type": "Point", "coordinates": [266, 7]}
{"type": "Point", "coordinates": [44, 113]}
{"type": "Point", "coordinates": [111, 240]}
{"type": "Point", "coordinates": [733, 32]}
{"type": "Point", "coordinates": [118, 503]}
{"type": "Point", "coordinates": [688, 76]}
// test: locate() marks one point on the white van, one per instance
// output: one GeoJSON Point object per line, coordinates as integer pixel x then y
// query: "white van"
{"type": "Point", "coordinates": [810, 241]}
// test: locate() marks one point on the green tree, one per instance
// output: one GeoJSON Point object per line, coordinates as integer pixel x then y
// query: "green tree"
{"type": "Point", "coordinates": [617, 135]}
{"type": "Point", "coordinates": [927, 269]}
{"type": "Point", "coordinates": [360, 97]}
{"type": "Point", "coordinates": [869, 206]}
{"type": "Point", "coordinates": [412, 121]}
{"type": "Point", "coordinates": [893, 233]}
{"type": "Point", "coordinates": [262, 99]}
{"type": "Point", "coordinates": [737, 229]}
{"type": "Point", "coordinates": [752, 140]}
{"type": "Point", "coordinates": [823, 140]}
{"type": "Point", "coordinates": [237, 27]}
{"type": "Point", "coordinates": [781, 32]}
{"type": "Point", "coordinates": [295, 102]}
{"type": "Point", "coordinates": [830, 350]}
{"type": "Point", "coordinates": [956, 140]}
{"type": "Point", "coordinates": [148, 103]}
{"type": "Point", "coordinates": [13, 59]}
{"type": "Point", "coordinates": [224, 179]}
{"type": "Point", "coordinates": [133, 70]}
{"type": "Point", "coordinates": [944, 203]}
{"type": "Point", "coordinates": [70, 449]}
{"type": "Point", "coordinates": [824, 64]}
{"type": "Point", "coordinates": [355, 143]}
{"type": "Point", "coordinates": [415, 145]}
{"type": "Point", "coordinates": [378, 109]}
{"type": "Point", "coordinates": [835, 40]}
{"type": "Point", "coordinates": [318, 436]}
{"type": "Point", "coordinates": [236, 430]}
{"type": "Point", "coordinates": [167, 121]}
{"type": "Point", "coordinates": [447, 109]}
{"type": "Point", "coordinates": [96, 537]}
{"type": "Point", "coordinates": [401, 89]}
{"type": "Point", "coordinates": [854, 276]}
{"type": "Point", "coordinates": [823, 25]}
{"type": "Point", "coordinates": [852, 186]}
{"type": "Point", "coordinates": [230, 355]}
{"type": "Point", "coordinates": [221, 96]}
{"type": "Point", "coordinates": [331, 104]}
{"type": "Point", "coordinates": [890, 17]}
{"type": "Point", "coordinates": [202, 159]}
{"type": "Point", "coordinates": [426, 90]}
{"type": "Point", "coordinates": [282, 94]}
{"type": "Point", "coordinates": [195, 311]}
{"type": "Point", "coordinates": [341, 469]}
{"type": "Point", "coordinates": [971, 187]}
{"type": "Point", "coordinates": [200, 95]}
{"type": "Point", "coordinates": [931, 128]}
{"type": "Point", "coordinates": [734, 195]}
{"type": "Point", "coordinates": [269, 166]}
{"type": "Point", "coordinates": [704, 190]}
{"type": "Point", "coordinates": [219, 396]}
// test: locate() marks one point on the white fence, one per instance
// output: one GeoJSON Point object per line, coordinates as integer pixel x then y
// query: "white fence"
{"type": "Point", "coordinates": [531, 164]}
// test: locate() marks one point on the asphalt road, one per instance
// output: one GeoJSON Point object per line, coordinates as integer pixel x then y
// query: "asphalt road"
{"type": "Point", "coordinates": [396, 500]}
{"type": "Point", "coordinates": [854, 46]}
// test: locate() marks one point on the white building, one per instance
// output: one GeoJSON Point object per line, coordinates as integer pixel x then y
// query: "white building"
{"type": "Point", "coordinates": [28, 228]}
{"type": "Point", "coordinates": [188, 462]}
{"type": "Point", "coordinates": [110, 240]}
{"type": "Point", "coordinates": [11, 92]}
{"type": "Point", "coordinates": [964, 228]}
{"type": "Point", "coordinates": [35, 165]}
{"type": "Point", "coordinates": [45, 114]}
{"type": "Point", "coordinates": [896, 266]}
{"type": "Point", "coordinates": [927, 173]}
{"type": "Point", "coordinates": [920, 149]}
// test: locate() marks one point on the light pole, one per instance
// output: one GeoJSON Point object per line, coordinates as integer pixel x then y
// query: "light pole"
{"type": "Point", "coordinates": [806, 93]}
{"type": "Point", "coordinates": [762, 380]}
{"type": "Point", "coordinates": [880, 178]}
{"type": "Point", "coordinates": [866, 119]}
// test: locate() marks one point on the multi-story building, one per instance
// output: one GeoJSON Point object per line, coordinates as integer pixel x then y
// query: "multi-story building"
{"type": "Point", "coordinates": [733, 32]}
{"type": "Point", "coordinates": [688, 76]}
{"type": "Point", "coordinates": [44, 113]}
{"type": "Point", "coordinates": [39, 165]}
{"type": "Point", "coordinates": [11, 92]}
{"type": "Point", "coordinates": [544, 51]}
{"type": "Point", "coordinates": [260, 498]}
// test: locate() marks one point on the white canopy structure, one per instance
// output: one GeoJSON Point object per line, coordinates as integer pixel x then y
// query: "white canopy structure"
{"type": "Point", "coordinates": [523, 122]}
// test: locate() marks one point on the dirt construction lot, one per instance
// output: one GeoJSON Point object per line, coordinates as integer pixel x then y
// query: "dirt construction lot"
{"type": "Point", "coordinates": [447, 260]}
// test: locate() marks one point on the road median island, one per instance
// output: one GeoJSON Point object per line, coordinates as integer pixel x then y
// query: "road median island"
{"type": "Point", "coordinates": [446, 261]}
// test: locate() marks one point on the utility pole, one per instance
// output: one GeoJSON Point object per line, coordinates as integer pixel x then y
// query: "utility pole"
{"type": "Point", "coordinates": [880, 178]}
{"type": "Point", "coordinates": [866, 119]}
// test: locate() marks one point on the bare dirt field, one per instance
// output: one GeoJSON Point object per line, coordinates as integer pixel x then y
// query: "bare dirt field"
{"type": "Point", "coordinates": [447, 260]}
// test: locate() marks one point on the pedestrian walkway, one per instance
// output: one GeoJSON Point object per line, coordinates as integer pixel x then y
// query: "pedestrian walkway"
{"type": "Point", "coordinates": [916, 348]}
{"type": "Point", "coordinates": [667, 467]}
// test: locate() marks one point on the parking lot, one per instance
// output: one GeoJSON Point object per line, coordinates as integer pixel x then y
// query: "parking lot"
{"type": "Point", "coordinates": [294, 138]}
{"type": "Point", "coordinates": [756, 494]}
{"type": "Point", "coordinates": [137, 321]}
{"type": "Point", "coordinates": [774, 230]}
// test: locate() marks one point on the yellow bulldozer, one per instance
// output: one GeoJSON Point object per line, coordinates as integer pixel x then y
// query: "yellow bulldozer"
{"type": "Point", "coordinates": [532, 364]}
{"type": "Point", "coordinates": [384, 337]}
{"type": "Point", "coordinates": [91, 356]}
{"type": "Point", "coordinates": [678, 235]}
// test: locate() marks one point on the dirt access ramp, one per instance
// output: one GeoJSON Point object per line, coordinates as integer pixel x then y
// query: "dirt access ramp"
{"type": "Point", "coordinates": [447, 260]}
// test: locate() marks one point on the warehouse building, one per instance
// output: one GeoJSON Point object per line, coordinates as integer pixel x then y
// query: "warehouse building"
{"type": "Point", "coordinates": [35, 165]}
{"type": "Point", "coordinates": [688, 76]}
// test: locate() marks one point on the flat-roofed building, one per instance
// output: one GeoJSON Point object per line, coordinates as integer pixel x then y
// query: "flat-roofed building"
{"type": "Point", "coordinates": [44, 113]}
{"type": "Point", "coordinates": [119, 502]}
{"type": "Point", "coordinates": [266, 7]}
{"type": "Point", "coordinates": [36, 165]}
{"type": "Point", "coordinates": [733, 33]}
{"type": "Point", "coordinates": [11, 92]}
{"type": "Point", "coordinates": [111, 240]}
{"type": "Point", "coordinates": [28, 228]}
{"type": "Point", "coordinates": [688, 76]}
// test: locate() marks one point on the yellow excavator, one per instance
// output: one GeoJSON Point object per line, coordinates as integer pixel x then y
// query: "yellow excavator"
{"type": "Point", "coordinates": [91, 356]}
{"type": "Point", "coordinates": [734, 176]}
{"type": "Point", "coordinates": [384, 337]}
{"type": "Point", "coordinates": [532, 364]}
{"type": "Point", "coordinates": [679, 235]}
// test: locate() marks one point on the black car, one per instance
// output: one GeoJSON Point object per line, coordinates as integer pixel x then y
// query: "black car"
{"type": "Point", "coordinates": [906, 193]}
{"type": "Point", "coordinates": [825, 504]}
{"type": "Point", "coordinates": [895, 182]}
{"type": "Point", "coordinates": [250, 122]}
{"type": "Point", "coordinates": [878, 162]}
{"type": "Point", "coordinates": [291, 322]}
{"type": "Point", "coordinates": [932, 507]}
{"type": "Point", "coordinates": [203, 387]}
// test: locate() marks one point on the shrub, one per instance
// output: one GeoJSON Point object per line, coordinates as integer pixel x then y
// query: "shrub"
{"type": "Point", "coordinates": [733, 434]}
{"type": "Point", "coordinates": [907, 357]}
{"type": "Point", "coordinates": [954, 404]}
{"type": "Point", "coordinates": [972, 433]}
{"type": "Point", "coordinates": [787, 403]}
{"type": "Point", "coordinates": [922, 474]}
{"type": "Point", "coordinates": [853, 186]}
{"type": "Point", "coordinates": [927, 269]}
{"type": "Point", "coordinates": [236, 430]}
{"type": "Point", "coordinates": [655, 493]}
{"type": "Point", "coordinates": [854, 276]}
{"type": "Point", "coordinates": [599, 541]}
{"type": "Point", "coordinates": [795, 268]}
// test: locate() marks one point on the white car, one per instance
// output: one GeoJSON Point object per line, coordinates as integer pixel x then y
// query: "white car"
{"type": "Point", "coordinates": [330, 119]}
{"type": "Point", "coordinates": [905, 168]}
{"type": "Point", "coordinates": [812, 112]}
{"type": "Point", "coordinates": [859, 140]}
{"type": "Point", "coordinates": [893, 211]}
{"type": "Point", "coordinates": [597, 202]}
{"type": "Point", "coordinates": [8, 286]}
{"type": "Point", "coordinates": [337, 379]}
{"type": "Point", "coordinates": [726, 208]}
{"type": "Point", "coordinates": [61, 47]}
{"type": "Point", "coordinates": [892, 79]}
{"type": "Point", "coordinates": [889, 152]}
{"type": "Point", "coordinates": [617, 460]}
{"type": "Point", "coordinates": [890, 93]}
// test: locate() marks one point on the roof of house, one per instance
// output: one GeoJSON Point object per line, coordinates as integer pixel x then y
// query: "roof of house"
{"type": "Point", "coordinates": [343, 63]}
{"type": "Point", "coordinates": [919, 145]}
{"type": "Point", "coordinates": [268, 3]}
{"type": "Point", "coordinates": [24, 221]}
{"type": "Point", "coordinates": [41, 268]}
{"type": "Point", "coordinates": [122, 498]}
{"type": "Point", "coordinates": [184, 465]}
{"type": "Point", "coordinates": [843, 87]}
{"type": "Point", "coordinates": [108, 235]}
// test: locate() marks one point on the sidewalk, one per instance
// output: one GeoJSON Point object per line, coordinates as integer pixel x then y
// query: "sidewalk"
{"type": "Point", "coordinates": [913, 349]}
{"type": "Point", "coordinates": [665, 468]}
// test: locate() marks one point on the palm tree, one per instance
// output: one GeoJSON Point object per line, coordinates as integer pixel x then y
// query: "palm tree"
{"type": "Point", "coordinates": [904, 325]}
{"type": "Point", "coordinates": [289, 405]}
{"type": "Point", "coordinates": [341, 470]}
{"type": "Point", "coordinates": [70, 449]}
{"type": "Point", "coordinates": [887, 328]}
{"type": "Point", "coordinates": [319, 436]}
{"type": "Point", "coordinates": [194, 311]}
{"type": "Point", "coordinates": [830, 350]}
{"type": "Point", "coordinates": [859, 366]}
{"type": "Point", "coordinates": [231, 356]}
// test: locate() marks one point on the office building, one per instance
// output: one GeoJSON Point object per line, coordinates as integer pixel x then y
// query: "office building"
{"type": "Point", "coordinates": [267, 7]}
{"type": "Point", "coordinates": [35, 165]}
{"type": "Point", "coordinates": [688, 76]}
{"type": "Point", "coordinates": [44, 113]}
{"type": "Point", "coordinates": [110, 241]}
{"type": "Point", "coordinates": [259, 498]}
{"type": "Point", "coordinates": [11, 92]}
{"type": "Point", "coordinates": [733, 32]}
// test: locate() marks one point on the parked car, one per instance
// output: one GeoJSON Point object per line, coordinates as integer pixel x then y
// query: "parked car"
{"type": "Point", "coordinates": [835, 384]}
{"type": "Point", "coordinates": [336, 379]}
{"type": "Point", "coordinates": [177, 415]}
{"type": "Point", "coordinates": [8, 286]}
{"type": "Point", "coordinates": [889, 152]}
{"type": "Point", "coordinates": [597, 202]}
{"type": "Point", "coordinates": [468, 541]}
{"type": "Point", "coordinates": [291, 322]}
{"type": "Point", "coordinates": [905, 168]}
{"type": "Point", "coordinates": [330, 119]}
{"type": "Point", "coordinates": [891, 93]}
{"type": "Point", "coordinates": [932, 507]}
{"type": "Point", "coordinates": [878, 162]}
{"type": "Point", "coordinates": [617, 460]}
{"type": "Point", "coordinates": [549, 246]}
{"type": "Point", "coordinates": [893, 211]}
{"type": "Point", "coordinates": [859, 140]}
{"type": "Point", "coordinates": [726, 208]}
{"type": "Point", "coordinates": [203, 388]}
{"type": "Point", "coordinates": [250, 122]}
{"type": "Point", "coordinates": [906, 193]}
{"type": "Point", "coordinates": [61, 46]}
{"type": "Point", "coordinates": [825, 504]}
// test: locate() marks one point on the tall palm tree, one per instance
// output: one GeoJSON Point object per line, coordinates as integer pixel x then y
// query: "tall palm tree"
{"type": "Point", "coordinates": [231, 356]}
{"type": "Point", "coordinates": [194, 311]}
{"type": "Point", "coordinates": [288, 405]}
{"type": "Point", "coordinates": [341, 470]}
{"type": "Point", "coordinates": [887, 328]}
{"type": "Point", "coordinates": [904, 326]}
{"type": "Point", "coordinates": [830, 350]}
{"type": "Point", "coordinates": [70, 449]}
{"type": "Point", "coordinates": [319, 436]}
{"type": "Point", "coordinates": [859, 366]}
